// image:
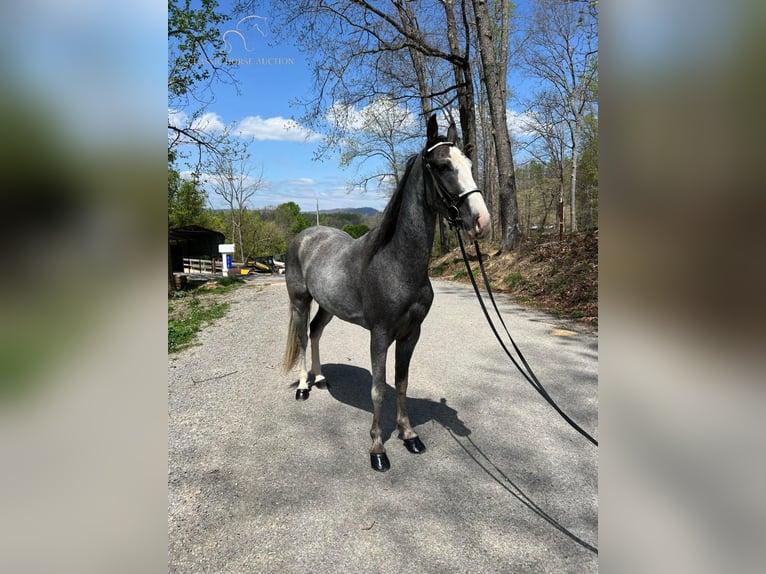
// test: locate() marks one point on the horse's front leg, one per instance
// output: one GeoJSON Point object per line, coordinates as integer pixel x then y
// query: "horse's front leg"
{"type": "Point", "coordinates": [379, 344]}
{"type": "Point", "coordinates": [404, 350]}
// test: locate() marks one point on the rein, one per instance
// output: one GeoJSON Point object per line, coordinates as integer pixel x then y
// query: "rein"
{"type": "Point", "coordinates": [453, 217]}
{"type": "Point", "coordinates": [527, 372]}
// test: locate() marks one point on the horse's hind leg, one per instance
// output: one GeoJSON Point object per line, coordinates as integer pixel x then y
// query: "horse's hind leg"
{"type": "Point", "coordinates": [404, 350]}
{"type": "Point", "coordinates": [301, 306]}
{"type": "Point", "coordinates": [318, 324]}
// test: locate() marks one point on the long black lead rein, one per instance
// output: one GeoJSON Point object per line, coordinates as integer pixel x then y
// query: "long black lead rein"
{"type": "Point", "coordinates": [528, 374]}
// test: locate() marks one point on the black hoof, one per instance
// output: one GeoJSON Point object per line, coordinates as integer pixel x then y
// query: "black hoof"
{"type": "Point", "coordinates": [379, 462]}
{"type": "Point", "coordinates": [301, 394]}
{"type": "Point", "coordinates": [414, 445]}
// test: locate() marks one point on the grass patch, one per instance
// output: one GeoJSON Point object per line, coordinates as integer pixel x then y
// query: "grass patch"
{"type": "Point", "coordinates": [184, 321]}
{"type": "Point", "coordinates": [514, 279]}
{"type": "Point", "coordinates": [189, 311]}
{"type": "Point", "coordinates": [461, 274]}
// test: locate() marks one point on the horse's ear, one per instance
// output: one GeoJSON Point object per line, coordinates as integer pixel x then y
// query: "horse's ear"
{"type": "Point", "coordinates": [432, 132]}
{"type": "Point", "coordinates": [452, 132]}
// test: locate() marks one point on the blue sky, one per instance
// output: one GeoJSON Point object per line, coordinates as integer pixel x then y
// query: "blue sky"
{"type": "Point", "coordinates": [271, 77]}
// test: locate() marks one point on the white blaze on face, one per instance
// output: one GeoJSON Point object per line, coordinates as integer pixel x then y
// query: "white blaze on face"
{"type": "Point", "coordinates": [480, 224]}
{"type": "Point", "coordinates": [463, 166]}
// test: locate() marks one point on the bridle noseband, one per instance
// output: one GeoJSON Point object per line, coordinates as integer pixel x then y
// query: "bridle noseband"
{"type": "Point", "coordinates": [451, 203]}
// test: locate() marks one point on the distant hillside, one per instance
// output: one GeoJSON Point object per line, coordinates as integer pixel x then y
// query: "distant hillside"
{"type": "Point", "coordinates": [364, 211]}
{"type": "Point", "coordinates": [350, 216]}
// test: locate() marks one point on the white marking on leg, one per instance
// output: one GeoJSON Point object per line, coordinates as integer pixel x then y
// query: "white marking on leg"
{"type": "Point", "coordinates": [303, 381]}
{"type": "Point", "coordinates": [316, 365]}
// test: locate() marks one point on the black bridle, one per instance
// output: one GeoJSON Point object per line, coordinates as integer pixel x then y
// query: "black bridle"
{"type": "Point", "coordinates": [451, 203]}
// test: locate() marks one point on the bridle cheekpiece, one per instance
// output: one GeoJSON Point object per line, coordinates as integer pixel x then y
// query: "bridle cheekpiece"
{"type": "Point", "coordinates": [452, 204]}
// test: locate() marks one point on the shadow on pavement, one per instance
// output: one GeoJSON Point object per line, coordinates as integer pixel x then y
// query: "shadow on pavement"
{"type": "Point", "coordinates": [352, 386]}
{"type": "Point", "coordinates": [494, 472]}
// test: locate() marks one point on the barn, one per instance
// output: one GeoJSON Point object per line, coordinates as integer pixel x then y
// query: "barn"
{"type": "Point", "coordinates": [192, 241]}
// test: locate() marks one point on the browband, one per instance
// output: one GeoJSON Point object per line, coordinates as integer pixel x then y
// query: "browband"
{"type": "Point", "coordinates": [433, 147]}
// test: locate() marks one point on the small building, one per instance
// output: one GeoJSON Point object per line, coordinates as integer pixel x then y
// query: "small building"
{"type": "Point", "coordinates": [192, 242]}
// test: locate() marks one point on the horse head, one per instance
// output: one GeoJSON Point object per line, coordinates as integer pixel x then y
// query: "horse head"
{"type": "Point", "coordinates": [454, 192]}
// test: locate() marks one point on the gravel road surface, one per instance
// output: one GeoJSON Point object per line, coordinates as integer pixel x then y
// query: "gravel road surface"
{"type": "Point", "coordinates": [259, 482]}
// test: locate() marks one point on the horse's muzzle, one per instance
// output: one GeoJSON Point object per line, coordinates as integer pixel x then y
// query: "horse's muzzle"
{"type": "Point", "coordinates": [478, 225]}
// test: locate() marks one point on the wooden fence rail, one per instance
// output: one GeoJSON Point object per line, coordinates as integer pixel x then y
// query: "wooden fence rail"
{"type": "Point", "coordinates": [201, 265]}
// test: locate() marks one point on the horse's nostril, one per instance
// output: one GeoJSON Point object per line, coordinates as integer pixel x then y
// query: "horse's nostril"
{"type": "Point", "coordinates": [475, 224]}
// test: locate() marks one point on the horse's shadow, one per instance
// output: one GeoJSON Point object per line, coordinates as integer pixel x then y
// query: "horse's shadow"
{"type": "Point", "coordinates": [352, 386]}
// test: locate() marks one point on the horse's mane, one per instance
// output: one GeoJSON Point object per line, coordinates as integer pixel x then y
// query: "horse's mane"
{"type": "Point", "coordinates": [382, 235]}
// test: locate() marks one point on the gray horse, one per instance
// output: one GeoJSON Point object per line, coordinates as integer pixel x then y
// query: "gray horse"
{"type": "Point", "coordinates": [380, 281]}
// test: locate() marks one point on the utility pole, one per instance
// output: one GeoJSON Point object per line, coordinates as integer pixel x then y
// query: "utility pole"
{"type": "Point", "coordinates": [317, 210]}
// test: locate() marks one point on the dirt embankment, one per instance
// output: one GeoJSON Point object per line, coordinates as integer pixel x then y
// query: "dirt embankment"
{"type": "Point", "coordinates": [559, 277]}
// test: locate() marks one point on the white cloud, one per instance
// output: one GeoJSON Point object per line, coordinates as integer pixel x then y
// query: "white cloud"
{"type": "Point", "coordinates": [519, 123]}
{"type": "Point", "coordinates": [209, 122]}
{"type": "Point", "coordinates": [301, 181]}
{"type": "Point", "coordinates": [344, 115]}
{"type": "Point", "coordinates": [177, 118]}
{"type": "Point", "coordinates": [274, 129]}
{"type": "Point", "coordinates": [380, 112]}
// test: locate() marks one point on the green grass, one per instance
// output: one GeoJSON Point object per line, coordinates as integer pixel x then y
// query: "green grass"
{"type": "Point", "coordinates": [189, 311]}
{"type": "Point", "coordinates": [462, 274]}
{"type": "Point", "coordinates": [183, 328]}
{"type": "Point", "coordinates": [514, 279]}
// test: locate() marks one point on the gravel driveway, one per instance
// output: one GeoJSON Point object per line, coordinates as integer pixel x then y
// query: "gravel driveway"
{"type": "Point", "coordinates": [259, 482]}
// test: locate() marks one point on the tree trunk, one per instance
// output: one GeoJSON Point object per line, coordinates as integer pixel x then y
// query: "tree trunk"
{"type": "Point", "coordinates": [575, 151]}
{"type": "Point", "coordinates": [496, 98]}
{"type": "Point", "coordinates": [464, 82]}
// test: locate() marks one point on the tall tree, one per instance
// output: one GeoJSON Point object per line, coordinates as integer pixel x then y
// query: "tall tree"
{"type": "Point", "coordinates": [587, 180]}
{"type": "Point", "coordinates": [196, 63]}
{"type": "Point", "coordinates": [494, 64]}
{"type": "Point", "coordinates": [186, 200]}
{"type": "Point", "coordinates": [538, 189]}
{"type": "Point", "coordinates": [562, 52]}
{"type": "Point", "coordinates": [360, 50]}
{"type": "Point", "coordinates": [383, 130]}
{"type": "Point", "coordinates": [289, 218]}
{"type": "Point", "coordinates": [231, 178]}
{"type": "Point", "coordinates": [548, 144]}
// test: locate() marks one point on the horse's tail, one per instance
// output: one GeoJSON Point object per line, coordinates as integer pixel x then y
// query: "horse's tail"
{"type": "Point", "coordinates": [293, 349]}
